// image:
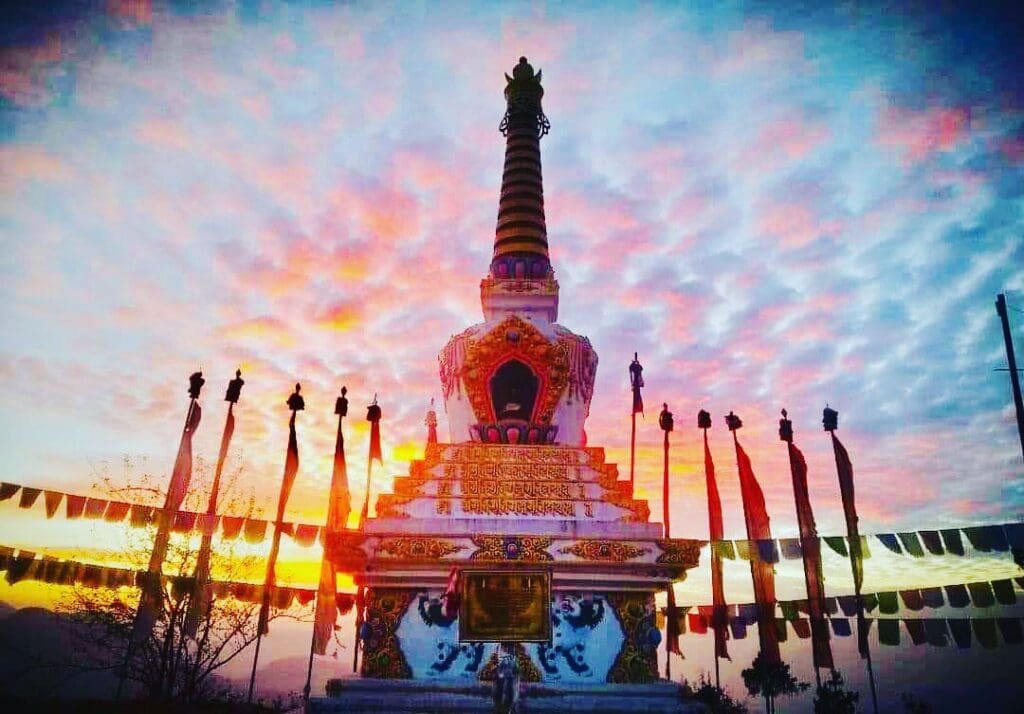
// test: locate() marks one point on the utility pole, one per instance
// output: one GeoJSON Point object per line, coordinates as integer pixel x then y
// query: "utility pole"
{"type": "Point", "coordinates": [1011, 361]}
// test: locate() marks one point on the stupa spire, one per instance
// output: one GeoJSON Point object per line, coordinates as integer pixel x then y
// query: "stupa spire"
{"type": "Point", "coordinates": [521, 239]}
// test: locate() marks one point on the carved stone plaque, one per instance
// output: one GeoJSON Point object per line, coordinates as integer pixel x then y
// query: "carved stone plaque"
{"type": "Point", "coordinates": [505, 606]}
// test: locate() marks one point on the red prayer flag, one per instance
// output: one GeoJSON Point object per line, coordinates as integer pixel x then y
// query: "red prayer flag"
{"type": "Point", "coordinates": [181, 476]}
{"type": "Point", "coordinates": [844, 469]}
{"type": "Point", "coordinates": [755, 515]}
{"type": "Point", "coordinates": [811, 551]}
{"type": "Point", "coordinates": [717, 533]}
{"type": "Point", "coordinates": [338, 507]}
{"type": "Point", "coordinates": [672, 623]}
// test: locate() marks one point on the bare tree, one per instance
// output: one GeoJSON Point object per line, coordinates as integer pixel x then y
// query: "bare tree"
{"type": "Point", "coordinates": [170, 664]}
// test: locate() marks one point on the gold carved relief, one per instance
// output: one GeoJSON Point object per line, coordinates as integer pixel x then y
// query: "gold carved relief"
{"type": "Point", "coordinates": [609, 551]}
{"type": "Point", "coordinates": [680, 552]}
{"type": "Point", "coordinates": [414, 548]}
{"type": "Point", "coordinates": [549, 361]}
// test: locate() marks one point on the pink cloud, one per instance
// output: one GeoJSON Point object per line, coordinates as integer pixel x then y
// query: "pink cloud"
{"type": "Point", "coordinates": [920, 133]}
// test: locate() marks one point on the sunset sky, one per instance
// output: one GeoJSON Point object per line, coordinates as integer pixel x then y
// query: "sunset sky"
{"type": "Point", "coordinates": [776, 207]}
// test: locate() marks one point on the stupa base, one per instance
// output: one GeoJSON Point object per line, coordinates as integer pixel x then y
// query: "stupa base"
{"type": "Point", "coordinates": [354, 695]}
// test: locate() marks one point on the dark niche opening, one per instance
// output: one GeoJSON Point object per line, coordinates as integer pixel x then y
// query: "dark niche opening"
{"type": "Point", "coordinates": [514, 391]}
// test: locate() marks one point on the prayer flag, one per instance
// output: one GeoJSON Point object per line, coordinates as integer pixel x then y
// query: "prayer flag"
{"type": "Point", "coordinates": [231, 526]}
{"type": "Point", "coordinates": [716, 532]}
{"type": "Point", "coordinates": [932, 597]}
{"type": "Point", "coordinates": [53, 499]}
{"type": "Point", "coordinates": [255, 530]}
{"type": "Point", "coordinates": [1010, 629]}
{"type": "Point", "coordinates": [890, 541]}
{"type": "Point", "coordinates": [951, 539]}
{"type": "Point", "coordinates": [755, 515]}
{"type": "Point", "coordinates": [1003, 590]}
{"type": "Point", "coordinates": [326, 614]}
{"type": "Point", "coordinates": [917, 632]}
{"type": "Point", "coordinates": [935, 628]}
{"type": "Point", "coordinates": [960, 627]}
{"type": "Point", "coordinates": [887, 603]}
{"type": "Point", "coordinates": [932, 541]}
{"type": "Point", "coordinates": [985, 631]}
{"type": "Point", "coordinates": [912, 599]}
{"type": "Point", "coordinates": [981, 594]}
{"type": "Point", "coordinates": [911, 544]}
{"type": "Point", "coordinates": [672, 626]}
{"type": "Point", "coordinates": [837, 544]}
{"type": "Point", "coordinates": [957, 596]}
{"type": "Point", "coordinates": [841, 627]}
{"type": "Point", "coordinates": [889, 632]}
{"type": "Point", "coordinates": [28, 497]}
{"type": "Point", "coordinates": [811, 549]}
{"type": "Point", "coordinates": [7, 490]}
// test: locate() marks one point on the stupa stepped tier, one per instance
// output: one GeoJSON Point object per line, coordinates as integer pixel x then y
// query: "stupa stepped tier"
{"type": "Point", "coordinates": [553, 550]}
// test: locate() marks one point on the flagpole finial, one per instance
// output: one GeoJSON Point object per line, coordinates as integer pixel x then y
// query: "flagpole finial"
{"type": "Point", "coordinates": [295, 402]}
{"type": "Point", "coordinates": [341, 404]}
{"type": "Point", "coordinates": [234, 388]}
{"type": "Point", "coordinates": [733, 421]}
{"type": "Point", "coordinates": [785, 428]}
{"type": "Point", "coordinates": [830, 419]}
{"type": "Point", "coordinates": [373, 411]}
{"type": "Point", "coordinates": [665, 420]}
{"type": "Point", "coordinates": [703, 420]}
{"type": "Point", "coordinates": [195, 384]}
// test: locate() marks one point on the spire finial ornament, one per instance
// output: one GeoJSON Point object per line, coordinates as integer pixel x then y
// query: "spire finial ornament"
{"type": "Point", "coordinates": [521, 236]}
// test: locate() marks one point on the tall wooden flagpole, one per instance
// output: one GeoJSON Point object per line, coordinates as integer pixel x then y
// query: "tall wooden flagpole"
{"type": "Point", "coordinates": [715, 534]}
{"type": "Point", "coordinates": [201, 597]}
{"type": "Point", "coordinates": [291, 467]}
{"type": "Point", "coordinates": [636, 381]}
{"type": "Point", "coordinates": [373, 415]}
{"type": "Point", "coordinates": [666, 423]}
{"type": "Point", "coordinates": [337, 518]}
{"type": "Point", "coordinates": [844, 469]}
{"type": "Point", "coordinates": [1011, 363]}
{"type": "Point", "coordinates": [151, 597]}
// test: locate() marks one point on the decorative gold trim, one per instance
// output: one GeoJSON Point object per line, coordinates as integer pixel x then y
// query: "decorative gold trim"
{"type": "Point", "coordinates": [680, 552]}
{"type": "Point", "coordinates": [388, 505]}
{"type": "Point", "coordinates": [529, 549]}
{"type": "Point", "coordinates": [607, 551]}
{"type": "Point", "coordinates": [415, 548]}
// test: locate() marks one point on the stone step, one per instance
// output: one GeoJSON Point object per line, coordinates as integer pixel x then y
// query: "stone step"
{"type": "Point", "coordinates": [376, 695]}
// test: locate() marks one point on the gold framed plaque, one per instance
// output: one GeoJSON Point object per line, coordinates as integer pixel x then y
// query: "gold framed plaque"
{"type": "Point", "coordinates": [505, 606]}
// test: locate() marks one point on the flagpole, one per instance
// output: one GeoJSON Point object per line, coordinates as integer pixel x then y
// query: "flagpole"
{"type": "Point", "coordinates": [373, 415]}
{"type": "Point", "coordinates": [341, 409]}
{"type": "Point", "coordinates": [636, 381]}
{"type": "Point", "coordinates": [704, 423]}
{"type": "Point", "coordinates": [295, 404]}
{"type": "Point", "coordinates": [666, 423]}
{"type": "Point", "coordinates": [197, 608]}
{"type": "Point", "coordinates": [830, 420]}
{"type": "Point", "coordinates": [1011, 363]}
{"type": "Point", "coordinates": [156, 557]}
{"type": "Point", "coordinates": [806, 530]}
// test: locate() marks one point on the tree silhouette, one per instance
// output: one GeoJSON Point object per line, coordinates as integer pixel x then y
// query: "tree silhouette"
{"type": "Point", "coordinates": [171, 664]}
{"type": "Point", "coordinates": [771, 680]}
{"type": "Point", "coordinates": [833, 697]}
{"type": "Point", "coordinates": [714, 698]}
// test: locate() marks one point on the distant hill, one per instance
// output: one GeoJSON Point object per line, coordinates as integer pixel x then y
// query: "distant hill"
{"type": "Point", "coordinates": [35, 644]}
{"type": "Point", "coordinates": [285, 677]}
